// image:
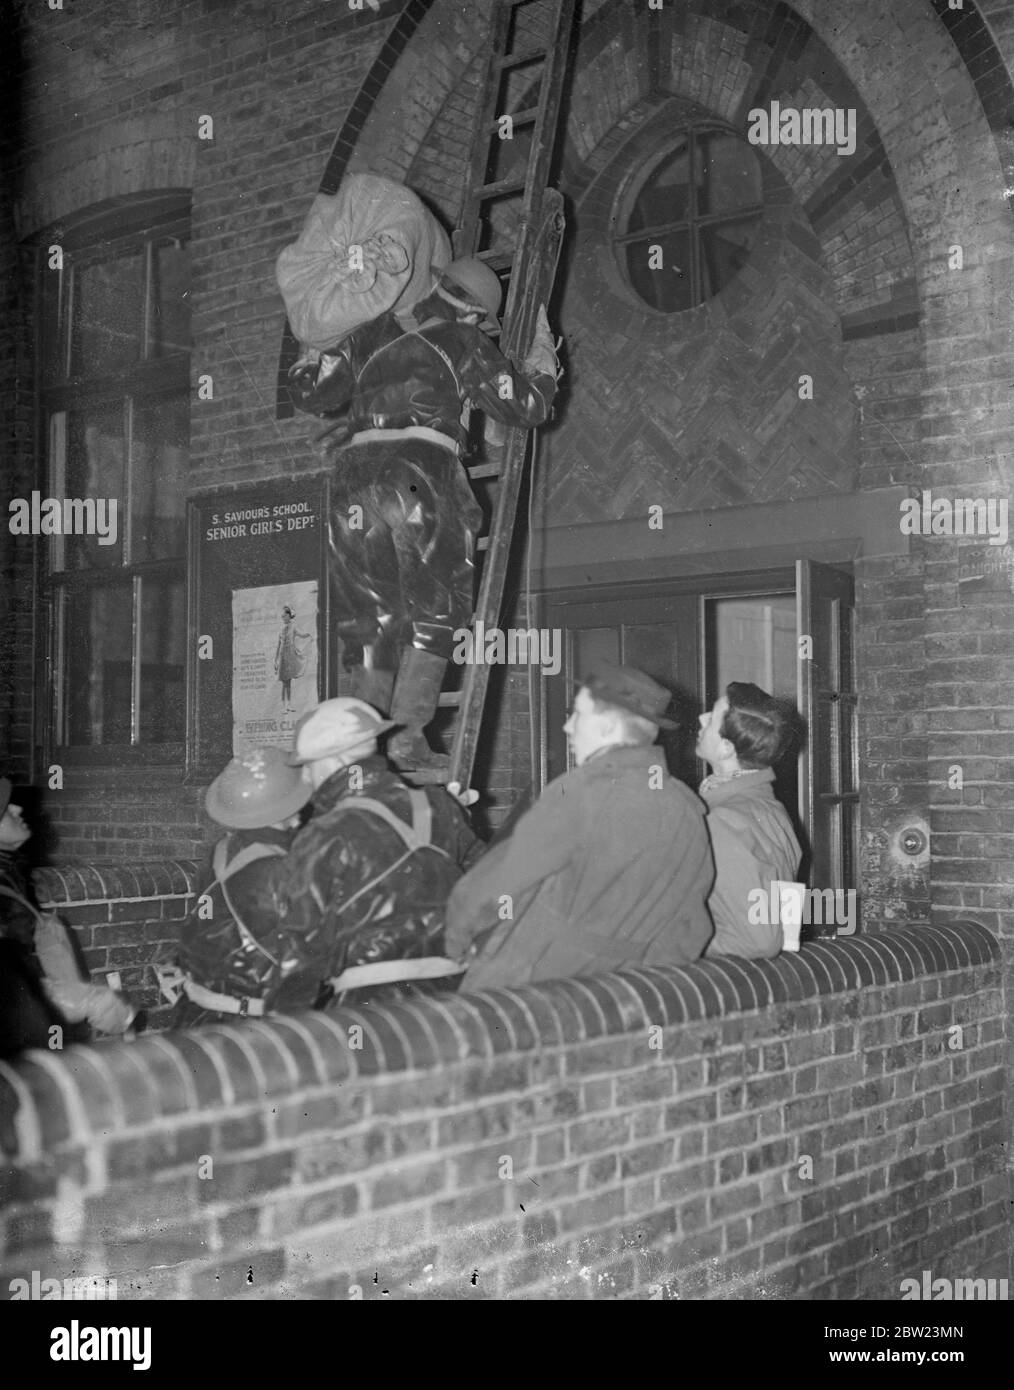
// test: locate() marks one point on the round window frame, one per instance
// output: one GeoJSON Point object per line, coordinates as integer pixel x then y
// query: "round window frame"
{"type": "Point", "coordinates": [630, 188]}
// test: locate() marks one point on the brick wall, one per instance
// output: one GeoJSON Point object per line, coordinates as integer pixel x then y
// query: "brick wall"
{"type": "Point", "coordinates": [124, 916]}
{"type": "Point", "coordinates": [818, 1126]}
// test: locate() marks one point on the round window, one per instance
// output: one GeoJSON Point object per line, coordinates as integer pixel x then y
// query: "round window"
{"type": "Point", "coordinates": [686, 222]}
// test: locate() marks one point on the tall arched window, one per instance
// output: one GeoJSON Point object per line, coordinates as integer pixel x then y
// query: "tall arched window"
{"type": "Point", "coordinates": [685, 223]}
{"type": "Point", "coordinates": [114, 373]}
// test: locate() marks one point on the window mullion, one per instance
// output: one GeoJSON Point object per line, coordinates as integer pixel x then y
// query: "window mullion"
{"type": "Point", "coordinates": [149, 254]}
{"type": "Point", "coordinates": [135, 664]}
{"type": "Point", "coordinates": [695, 297]}
{"type": "Point", "coordinates": [128, 481]}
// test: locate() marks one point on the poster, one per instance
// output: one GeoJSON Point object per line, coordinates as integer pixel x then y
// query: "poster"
{"type": "Point", "coordinates": [256, 553]}
{"type": "Point", "coordinates": [274, 662]}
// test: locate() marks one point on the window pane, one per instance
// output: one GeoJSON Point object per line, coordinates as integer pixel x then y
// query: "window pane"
{"type": "Point", "coordinates": [97, 666]}
{"type": "Point", "coordinates": [170, 307]}
{"type": "Point", "coordinates": [163, 619]}
{"type": "Point", "coordinates": [94, 473]}
{"type": "Point", "coordinates": [724, 251]}
{"type": "Point", "coordinates": [667, 287]}
{"type": "Point", "coordinates": [731, 176]}
{"type": "Point", "coordinates": [652, 649]}
{"type": "Point", "coordinates": [158, 476]}
{"type": "Point", "coordinates": [756, 641]}
{"type": "Point", "coordinates": [106, 320]}
{"type": "Point", "coordinates": [665, 194]}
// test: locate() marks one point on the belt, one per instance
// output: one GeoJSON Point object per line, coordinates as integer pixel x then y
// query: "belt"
{"type": "Point", "coordinates": [384, 972]}
{"type": "Point", "coordinates": [171, 980]}
{"type": "Point", "coordinates": [409, 432]}
{"type": "Point", "coordinates": [224, 1003]}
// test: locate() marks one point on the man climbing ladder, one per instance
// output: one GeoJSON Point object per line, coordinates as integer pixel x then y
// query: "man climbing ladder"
{"type": "Point", "coordinates": [403, 519]}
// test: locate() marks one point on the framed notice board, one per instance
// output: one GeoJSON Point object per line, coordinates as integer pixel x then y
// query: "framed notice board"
{"type": "Point", "coordinates": [259, 649]}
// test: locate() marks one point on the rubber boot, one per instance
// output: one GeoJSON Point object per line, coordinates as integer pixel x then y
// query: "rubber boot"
{"type": "Point", "coordinates": [373, 686]}
{"type": "Point", "coordinates": [416, 693]}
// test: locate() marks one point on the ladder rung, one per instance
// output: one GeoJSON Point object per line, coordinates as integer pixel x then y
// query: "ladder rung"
{"type": "Point", "coordinates": [449, 698]}
{"type": "Point", "coordinates": [483, 470]}
{"type": "Point", "coordinates": [527, 117]}
{"type": "Point", "coordinates": [496, 260]}
{"type": "Point", "coordinates": [493, 190]}
{"type": "Point", "coordinates": [523, 55]}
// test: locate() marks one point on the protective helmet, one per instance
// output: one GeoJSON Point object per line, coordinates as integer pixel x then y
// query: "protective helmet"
{"type": "Point", "coordinates": [471, 283]}
{"type": "Point", "coordinates": [255, 790]}
{"type": "Point", "coordinates": [333, 727]}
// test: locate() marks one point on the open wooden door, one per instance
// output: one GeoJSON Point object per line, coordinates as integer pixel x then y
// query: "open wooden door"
{"type": "Point", "coordinates": [829, 777]}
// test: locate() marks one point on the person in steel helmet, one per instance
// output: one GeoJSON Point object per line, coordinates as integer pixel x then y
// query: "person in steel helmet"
{"type": "Point", "coordinates": [234, 955]}
{"type": "Point", "coordinates": [368, 876]}
{"type": "Point", "coordinates": [395, 394]}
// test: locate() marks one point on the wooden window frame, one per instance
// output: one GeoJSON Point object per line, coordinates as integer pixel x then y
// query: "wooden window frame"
{"type": "Point", "coordinates": [95, 236]}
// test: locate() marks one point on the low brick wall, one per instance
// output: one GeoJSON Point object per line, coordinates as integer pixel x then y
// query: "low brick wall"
{"type": "Point", "coordinates": [818, 1126]}
{"type": "Point", "coordinates": [124, 917]}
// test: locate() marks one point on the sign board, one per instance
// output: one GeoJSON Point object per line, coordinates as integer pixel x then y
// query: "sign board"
{"type": "Point", "coordinates": [985, 569]}
{"type": "Point", "coordinates": [258, 630]}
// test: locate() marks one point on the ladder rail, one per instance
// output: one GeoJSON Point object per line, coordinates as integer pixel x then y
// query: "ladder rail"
{"type": "Point", "coordinates": [532, 269]}
{"type": "Point", "coordinates": [535, 287]}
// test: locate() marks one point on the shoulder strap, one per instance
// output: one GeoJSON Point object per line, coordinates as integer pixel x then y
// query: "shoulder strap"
{"type": "Point", "coordinates": [421, 333]}
{"type": "Point", "coordinates": [10, 893]}
{"type": "Point", "coordinates": [417, 836]}
{"type": "Point", "coordinates": [224, 870]}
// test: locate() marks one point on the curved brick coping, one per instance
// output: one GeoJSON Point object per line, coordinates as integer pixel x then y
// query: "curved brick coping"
{"type": "Point", "coordinates": [68, 884]}
{"type": "Point", "coordinates": [48, 1099]}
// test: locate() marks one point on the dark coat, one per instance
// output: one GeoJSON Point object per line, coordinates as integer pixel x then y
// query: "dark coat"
{"type": "Point", "coordinates": [26, 1015]}
{"type": "Point", "coordinates": [400, 915]}
{"type": "Point", "coordinates": [215, 953]}
{"type": "Point", "coordinates": [610, 867]}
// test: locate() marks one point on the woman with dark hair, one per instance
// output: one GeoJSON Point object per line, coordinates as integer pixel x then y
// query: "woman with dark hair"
{"type": "Point", "coordinates": [290, 661]}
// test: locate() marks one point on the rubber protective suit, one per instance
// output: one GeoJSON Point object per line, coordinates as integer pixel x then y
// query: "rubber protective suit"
{"type": "Point", "coordinates": [403, 518]}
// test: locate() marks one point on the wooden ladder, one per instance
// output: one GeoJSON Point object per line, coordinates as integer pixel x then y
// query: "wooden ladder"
{"type": "Point", "coordinates": [528, 57]}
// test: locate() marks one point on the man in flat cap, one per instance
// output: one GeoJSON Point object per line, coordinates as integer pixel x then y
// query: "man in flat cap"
{"type": "Point", "coordinates": [610, 868]}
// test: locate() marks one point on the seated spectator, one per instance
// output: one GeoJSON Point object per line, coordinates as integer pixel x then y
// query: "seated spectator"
{"type": "Point", "coordinates": [610, 867]}
{"type": "Point", "coordinates": [235, 955]}
{"type": "Point", "coordinates": [41, 984]}
{"type": "Point", "coordinates": [367, 878]}
{"type": "Point", "coordinates": [751, 833]}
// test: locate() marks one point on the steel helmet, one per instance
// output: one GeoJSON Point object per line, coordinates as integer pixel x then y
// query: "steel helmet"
{"type": "Point", "coordinates": [257, 789]}
{"type": "Point", "coordinates": [471, 282]}
{"type": "Point", "coordinates": [334, 726]}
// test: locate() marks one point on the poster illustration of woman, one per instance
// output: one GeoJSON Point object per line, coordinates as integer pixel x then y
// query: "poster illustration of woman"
{"type": "Point", "coordinates": [290, 659]}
